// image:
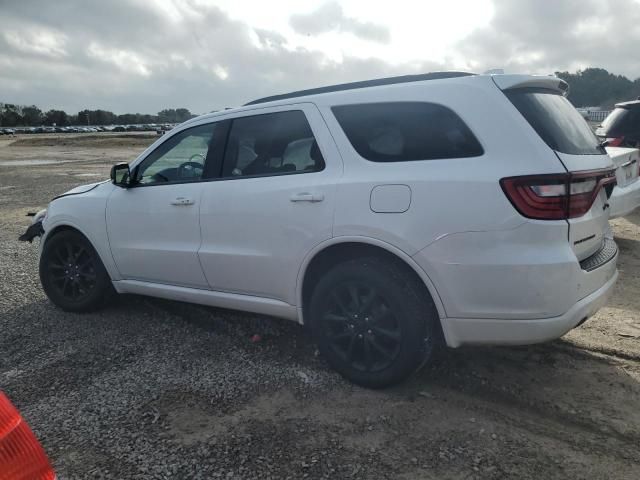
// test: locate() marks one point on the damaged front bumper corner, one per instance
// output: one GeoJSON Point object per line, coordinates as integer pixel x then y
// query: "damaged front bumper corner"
{"type": "Point", "coordinates": [34, 230]}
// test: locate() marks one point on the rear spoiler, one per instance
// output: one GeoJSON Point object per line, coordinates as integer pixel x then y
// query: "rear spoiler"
{"type": "Point", "coordinates": [508, 82]}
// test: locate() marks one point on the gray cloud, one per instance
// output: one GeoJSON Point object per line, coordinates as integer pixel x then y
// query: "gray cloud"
{"type": "Point", "coordinates": [124, 55]}
{"type": "Point", "coordinates": [330, 17]}
{"type": "Point", "coordinates": [130, 56]}
{"type": "Point", "coordinates": [543, 37]}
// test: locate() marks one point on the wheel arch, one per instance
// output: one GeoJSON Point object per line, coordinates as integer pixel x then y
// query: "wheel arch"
{"type": "Point", "coordinates": [337, 249]}
{"type": "Point", "coordinates": [104, 255]}
{"type": "Point", "coordinates": [61, 228]}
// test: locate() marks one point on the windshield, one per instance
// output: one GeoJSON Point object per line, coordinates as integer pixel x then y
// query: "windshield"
{"type": "Point", "coordinates": [556, 121]}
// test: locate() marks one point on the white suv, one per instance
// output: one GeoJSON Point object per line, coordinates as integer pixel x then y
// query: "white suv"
{"type": "Point", "coordinates": [391, 216]}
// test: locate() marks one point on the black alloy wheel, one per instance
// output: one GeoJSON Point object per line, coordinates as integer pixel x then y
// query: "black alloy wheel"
{"type": "Point", "coordinates": [373, 321]}
{"type": "Point", "coordinates": [361, 327]}
{"type": "Point", "coordinates": [72, 274]}
{"type": "Point", "coordinates": [72, 270]}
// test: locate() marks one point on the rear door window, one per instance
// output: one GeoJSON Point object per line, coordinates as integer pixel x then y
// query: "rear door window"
{"type": "Point", "coordinates": [406, 131]}
{"type": "Point", "coordinates": [557, 122]}
{"type": "Point", "coordinates": [271, 144]}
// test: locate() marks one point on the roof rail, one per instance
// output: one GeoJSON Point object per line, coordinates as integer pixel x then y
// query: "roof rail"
{"type": "Point", "coordinates": [363, 84]}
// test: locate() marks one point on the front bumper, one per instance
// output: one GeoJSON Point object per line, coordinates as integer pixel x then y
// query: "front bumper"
{"type": "Point", "coordinates": [34, 230]}
{"type": "Point", "coordinates": [483, 331]}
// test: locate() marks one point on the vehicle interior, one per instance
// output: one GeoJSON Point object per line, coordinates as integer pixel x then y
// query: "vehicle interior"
{"type": "Point", "coordinates": [271, 144]}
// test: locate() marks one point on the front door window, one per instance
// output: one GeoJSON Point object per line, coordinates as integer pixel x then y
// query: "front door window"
{"type": "Point", "coordinates": [180, 159]}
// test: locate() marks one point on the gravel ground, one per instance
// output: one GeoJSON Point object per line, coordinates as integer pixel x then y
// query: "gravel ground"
{"type": "Point", "coordinates": [156, 389]}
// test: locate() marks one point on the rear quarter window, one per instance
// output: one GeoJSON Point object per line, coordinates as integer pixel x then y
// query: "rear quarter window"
{"type": "Point", "coordinates": [556, 121]}
{"type": "Point", "coordinates": [406, 131]}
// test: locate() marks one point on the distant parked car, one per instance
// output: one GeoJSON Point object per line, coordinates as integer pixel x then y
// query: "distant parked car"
{"type": "Point", "coordinates": [119, 128]}
{"type": "Point", "coordinates": [626, 195]}
{"type": "Point", "coordinates": [584, 112]}
{"type": "Point", "coordinates": [8, 131]}
{"type": "Point", "coordinates": [621, 128]}
{"type": "Point", "coordinates": [162, 129]}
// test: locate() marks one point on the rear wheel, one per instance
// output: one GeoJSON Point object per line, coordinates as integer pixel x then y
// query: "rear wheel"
{"type": "Point", "coordinates": [373, 322]}
{"type": "Point", "coordinates": [72, 274]}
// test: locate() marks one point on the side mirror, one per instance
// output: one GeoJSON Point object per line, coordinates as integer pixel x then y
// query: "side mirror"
{"type": "Point", "coordinates": [120, 175]}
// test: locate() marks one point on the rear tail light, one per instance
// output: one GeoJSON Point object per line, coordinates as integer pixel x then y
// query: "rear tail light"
{"type": "Point", "coordinates": [614, 141]}
{"type": "Point", "coordinates": [557, 196]}
{"type": "Point", "coordinates": [21, 456]}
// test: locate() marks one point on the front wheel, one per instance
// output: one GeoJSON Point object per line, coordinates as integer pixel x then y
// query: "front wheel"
{"type": "Point", "coordinates": [72, 274]}
{"type": "Point", "coordinates": [373, 322]}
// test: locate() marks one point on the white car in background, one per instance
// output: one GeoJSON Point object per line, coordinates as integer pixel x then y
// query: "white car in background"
{"type": "Point", "coordinates": [391, 216]}
{"type": "Point", "coordinates": [626, 196]}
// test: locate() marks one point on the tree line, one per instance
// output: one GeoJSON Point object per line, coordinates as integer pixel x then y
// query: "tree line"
{"type": "Point", "coordinates": [12, 115]}
{"type": "Point", "coordinates": [591, 87]}
{"type": "Point", "coordinates": [595, 87]}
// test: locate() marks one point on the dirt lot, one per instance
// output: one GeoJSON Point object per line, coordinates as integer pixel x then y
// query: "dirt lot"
{"type": "Point", "coordinates": [156, 389]}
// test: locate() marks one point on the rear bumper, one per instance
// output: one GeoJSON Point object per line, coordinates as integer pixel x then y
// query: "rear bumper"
{"type": "Point", "coordinates": [518, 286]}
{"type": "Point", "coordinates": [468, 331]}
{"type": "Point", "coordinates": [624, 200]}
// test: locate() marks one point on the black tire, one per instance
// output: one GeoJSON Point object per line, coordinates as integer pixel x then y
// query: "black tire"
{"type": "Point", "coordinates": [373, 322]}
{"type": "Point", "coordinates": [72, 274]}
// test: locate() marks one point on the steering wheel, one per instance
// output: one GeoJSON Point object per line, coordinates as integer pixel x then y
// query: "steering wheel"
{"type": "Point", "coordinates": [190, 169]}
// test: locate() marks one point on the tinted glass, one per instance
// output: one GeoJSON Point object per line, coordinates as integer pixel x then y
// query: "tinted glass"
{"type": "Point", "coordinates": [621, 120]}
{"type": "Point", "coordinates": [271, 144]}
{"type": "Point", "coordinates": [180, 159]}
{"type": "Point", "coordinates": [557, 121]}
{"type": "Point", "coordinates": [404, 131]}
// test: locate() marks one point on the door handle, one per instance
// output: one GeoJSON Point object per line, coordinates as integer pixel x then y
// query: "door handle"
{"type": "Point", "coordinates": [307, 197]}
{"type": "Point", "coordinates": [630, 162]}
{"type": "Point", "coordinates": [182, 201]}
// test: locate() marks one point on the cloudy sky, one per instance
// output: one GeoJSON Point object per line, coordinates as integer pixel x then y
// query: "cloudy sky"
{"type": "Point", "coordinates": [142, 55]}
